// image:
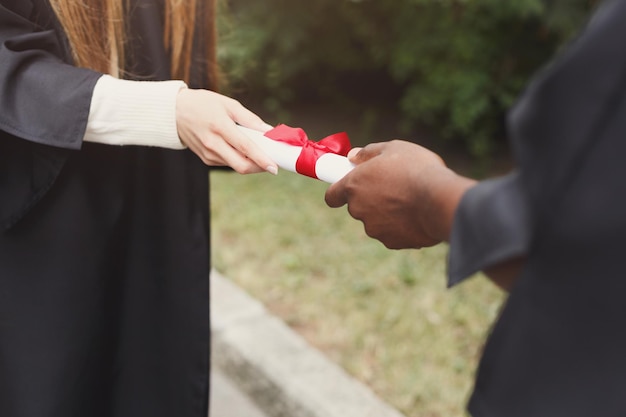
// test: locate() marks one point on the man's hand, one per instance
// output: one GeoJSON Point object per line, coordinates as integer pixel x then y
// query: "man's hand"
{"type": "Point", "coordinates": [403, 193]}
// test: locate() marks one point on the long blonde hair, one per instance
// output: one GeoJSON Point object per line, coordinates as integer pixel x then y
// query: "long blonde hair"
{"type": "Point", "coordinates": [96, 30]}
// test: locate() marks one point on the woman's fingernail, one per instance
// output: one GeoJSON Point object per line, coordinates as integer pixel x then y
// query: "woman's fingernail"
{"type": "Point", "coordinates": [272, 169]}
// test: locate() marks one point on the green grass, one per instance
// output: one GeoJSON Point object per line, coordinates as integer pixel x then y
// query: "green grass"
{"type": "Point", "coordinates": [384, 316]}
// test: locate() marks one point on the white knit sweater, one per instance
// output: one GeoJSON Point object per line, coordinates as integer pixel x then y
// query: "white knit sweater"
{"type": "Point", "coordinates": [141, 113]}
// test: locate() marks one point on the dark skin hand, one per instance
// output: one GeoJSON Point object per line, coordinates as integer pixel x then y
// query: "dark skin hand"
{"type": "Point", "coordinates": [406, 197]}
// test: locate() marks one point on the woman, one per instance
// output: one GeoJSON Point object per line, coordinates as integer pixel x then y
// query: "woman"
{"type": "Point", "coordinates": [104, 249]}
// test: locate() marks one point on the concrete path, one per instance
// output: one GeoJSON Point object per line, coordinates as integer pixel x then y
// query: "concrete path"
{"type": "Point", "coordinates": [276, 368]}
{"type": "Point", "coordinates": [227, 400]}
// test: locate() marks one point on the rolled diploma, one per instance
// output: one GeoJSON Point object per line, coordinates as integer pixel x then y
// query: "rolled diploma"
{"type": "Point", "coordinates": [329, 168]}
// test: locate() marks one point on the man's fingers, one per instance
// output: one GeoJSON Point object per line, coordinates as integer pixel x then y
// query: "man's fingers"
{"type": "Point", "coordinates": [336, 195]}
{"type": "Point", "coordinates": [360, 155]}
{"type": "Point", "coordinates": [352, 153]}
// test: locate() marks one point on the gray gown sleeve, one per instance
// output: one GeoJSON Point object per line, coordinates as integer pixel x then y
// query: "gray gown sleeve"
{"type": "Point", "coordinates": [44, 105]}
{"type": "Point", "coordinates": [491, 225]}
{"type": "Point", "coordinates": [43, 97]}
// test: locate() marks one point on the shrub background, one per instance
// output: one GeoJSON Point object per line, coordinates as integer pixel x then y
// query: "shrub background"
{"type": "Point", "coordinates": [453, 66]}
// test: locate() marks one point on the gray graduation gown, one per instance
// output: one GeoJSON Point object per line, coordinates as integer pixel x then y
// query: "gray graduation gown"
{"type": "Point", "coordinates": [559, 347]}
{"type": "Point", "coordinates": [104, 251]}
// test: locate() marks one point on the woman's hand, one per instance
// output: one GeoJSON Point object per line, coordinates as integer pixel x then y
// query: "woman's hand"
{"type": "Point", "coordinates": [206, 123]}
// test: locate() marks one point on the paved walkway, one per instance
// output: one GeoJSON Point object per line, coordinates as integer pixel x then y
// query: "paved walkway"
{"type": "Point", "coordinates": [227, 400]}
{"type": "Point", "coordinates": [276, 367]}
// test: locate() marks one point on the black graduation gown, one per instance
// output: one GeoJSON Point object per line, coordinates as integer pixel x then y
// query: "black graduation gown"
{"type": "Point", "coordinates": [559, 347]}
{"type": "Point", "coordinates": [104, 251]}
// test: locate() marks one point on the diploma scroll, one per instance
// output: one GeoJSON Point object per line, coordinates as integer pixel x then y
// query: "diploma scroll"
{"type": "Point", "coordinates": [329, 167]}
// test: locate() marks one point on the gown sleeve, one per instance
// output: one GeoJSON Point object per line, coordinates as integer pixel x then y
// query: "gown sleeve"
{"type": "Point", "coordinates": [43, 98]}
{"type": "Point", "coordinates": [491, 225]}
{"type": "Point", "coordinates": [44, 105]}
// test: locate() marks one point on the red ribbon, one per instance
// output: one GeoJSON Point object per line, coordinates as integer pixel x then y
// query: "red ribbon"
{"type": "Point", "coordinates": [338, 143]}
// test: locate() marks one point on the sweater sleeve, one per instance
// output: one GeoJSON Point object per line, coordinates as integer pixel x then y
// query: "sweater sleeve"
{"type": "Point", "coordinates": [127, 112]}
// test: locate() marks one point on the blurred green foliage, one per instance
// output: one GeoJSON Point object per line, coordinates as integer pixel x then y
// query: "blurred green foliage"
{"type": "Point", "coordinates": [454, 66]}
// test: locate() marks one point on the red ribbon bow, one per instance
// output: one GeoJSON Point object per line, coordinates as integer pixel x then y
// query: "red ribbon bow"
{"type": "Point", "coordinates": [338, 143]}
